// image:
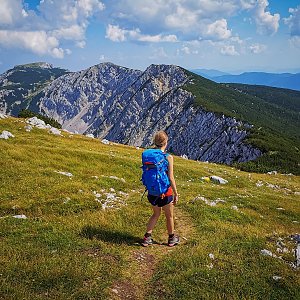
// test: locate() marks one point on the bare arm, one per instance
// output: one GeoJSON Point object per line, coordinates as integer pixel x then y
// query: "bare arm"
{"type": "Point", "coordinates": [171, 177]}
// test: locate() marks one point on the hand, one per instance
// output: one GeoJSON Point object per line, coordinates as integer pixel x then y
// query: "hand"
{"type": "Point", "coordinates": [175, 199]}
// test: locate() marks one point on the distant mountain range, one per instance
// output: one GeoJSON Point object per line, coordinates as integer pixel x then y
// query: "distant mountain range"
{"type": "Point", "coordinates": [282, 80]}
{"type": "Point", "coordinates": [257, 129]}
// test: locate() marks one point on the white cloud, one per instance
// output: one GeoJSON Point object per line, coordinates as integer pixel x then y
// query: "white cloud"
{"type": "Point", "coordinates": [218, 30]}
{"type": "Point", "coordinates": [265, 22]}
{"type": "Point", "coordinates": [295, 41]}
{"type": "Point", "coordinates": [159, 53]}
{"type": "Point", "coordinates": [74, 32]}
{"type": "Point", "coordinates": [68, 51]}
{"type": "Point", "coordinates": [183, 19]}
{"type": "Point", "coordinates": [248, 4]}
{"type": "Point", "coordinates": [117, 34]}
{"type": "Point", "coordinates": [80, 44]}
{"type": "Point", "coordinates": [56, 20]}
{"type": "Point", "coordinates": [36, 41]}
{"type": "Point", "coordinates": [69, 11]}
{"type": "Point", "coordinates": [186, 50]}
{"type": "Point", "coordinates": [187, 19]}
{"type": "Point", "coordinates": [102, 57]}
{"type": "Point", "coordinates": [11, 11]}
{"type": "Point", "coordinates": [57, 52]}
{"type": "Point", "coordinates": [293, 21]}
{"type": "Point", "coordinates": [229, 50]}
{"type": "Point", "coordinates": [257, 48]}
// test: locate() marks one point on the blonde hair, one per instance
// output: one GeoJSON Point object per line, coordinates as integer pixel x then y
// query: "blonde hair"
{"type": "Point", "coordinates": [160, 139]}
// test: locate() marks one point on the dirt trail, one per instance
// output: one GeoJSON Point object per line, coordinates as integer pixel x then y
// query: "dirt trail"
{"type": "Point", "coordinates": [143, 262]}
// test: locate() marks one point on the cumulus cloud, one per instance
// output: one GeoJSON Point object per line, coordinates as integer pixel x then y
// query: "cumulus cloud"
{"type": "Point", "coordinates": [293, 21]}
{"type": "Point", "coordinates": [69, 11]}
{"type": "Point", "coordinates": [187, 19]}
{"type": "Point", "coordinates": [74, 32]}
{"type": "Point", "coordinates": [295, 41]}
{"type": "Point", "coordinates": [229, 50]}
{"type": "Point", "coordinates": [36, 41]}
{"type": "Point", "coordinates": [117, 34]}
{"type": "Point", "coordinates": [187, 50]}
{"type": "Point", "coordinates": [266, 22]}
{"type": "Point", "coordinates": [11, 11]}
{"type": "Point", "coordinates": [158, 53]}
{"type": "Point", "coordinates": [218, 30]}
{"type": "Point", "coordinates": [55, 21]}
{"type": "Point", "coordinates": [257, 48]}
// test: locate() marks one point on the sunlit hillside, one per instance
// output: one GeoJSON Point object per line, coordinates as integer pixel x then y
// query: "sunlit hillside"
{"type": "Point", "coordinates": [71, 220]}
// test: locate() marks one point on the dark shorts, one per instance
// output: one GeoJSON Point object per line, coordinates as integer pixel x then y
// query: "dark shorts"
{"type": "Point", "coordinates": [158, 201]}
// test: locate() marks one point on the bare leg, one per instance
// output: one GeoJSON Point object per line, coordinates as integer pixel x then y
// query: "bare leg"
{"type": "Point", "coordinates": [169, 213]}
{"type": "Point", "coordinates": [153, 219]}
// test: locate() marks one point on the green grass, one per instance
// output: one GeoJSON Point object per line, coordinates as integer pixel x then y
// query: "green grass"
{"type": "Point", "coordinates": [273, 112]}
{"type": "Point", "coordinates": [70, 248]}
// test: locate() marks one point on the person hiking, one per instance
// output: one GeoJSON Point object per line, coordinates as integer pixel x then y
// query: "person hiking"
{"type": "Point", "coordinates": [160, 199]}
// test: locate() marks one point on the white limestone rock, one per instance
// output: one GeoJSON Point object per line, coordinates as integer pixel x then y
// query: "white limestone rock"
{"type": "Point", "coordinates": [3, 116]}
{"type": "Point", "coordinates": [266, 252]}
{"type": "Point", "coordinates": [20, 217]}
{"type": "Point", "coordinates": [105, 142]}
{"type": "Point", "coordinates": [28, 128]}
{"type": "Point", "coordinates": [55, 131]}
{"type": "Point", "coordinates": [68, 174]}
{"type": "Point", "coordinates": [219, 180]}
{"type": "Point", "coordinates": [6, 135]}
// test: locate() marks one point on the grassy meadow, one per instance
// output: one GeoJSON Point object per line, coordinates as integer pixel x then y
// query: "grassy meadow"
{"type": "Point", "coordinates": [80, 238]}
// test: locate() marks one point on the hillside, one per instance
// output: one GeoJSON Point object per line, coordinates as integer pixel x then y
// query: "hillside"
{"type": "Point", "coordinates": [276, 126]}
{"type": "Point", "coordinates": [284, 98]}
{"type": "Point", "coordinates": [19, 85]}
{"type": "Point", "coordinates": [84, 219]}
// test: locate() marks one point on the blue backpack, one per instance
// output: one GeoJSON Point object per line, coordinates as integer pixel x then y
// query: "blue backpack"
{"type": "Point", "coordinates": [155, 167]}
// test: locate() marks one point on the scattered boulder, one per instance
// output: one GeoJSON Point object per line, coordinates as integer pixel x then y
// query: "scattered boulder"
{"type": "Point", "coordinates": [206, 201]}
{"type": "Point", "coordinates": [217, 179]}
{"type": "Point", "coordinates": [259, 183]}
{"type": "Point", "coordinates": [105, 142]}
{"type": "Point", "coordinates": [114, 177]}
{"type": "Point", "coordinates": [276, 278]}
{"type": "Point", "coordinates": [28, 128]}
{"type": "Point", "coordinates": [3, 116]}
{"type": "Point", "coordinates": [211, 256]}
{"type": "Point", "coordinates": [266, 252]}
{"type": "Point", "coordinates": [90, 135]}
{"type": "Point", "coordinates": [272, 173]}
{"type": "Point", "coordinates": [20, 217]}
{"type": "Point", "coordinates": [34, 121]}
{"type": "Point", "coordinates": [64, 173]}
{"type": "Point", "coordinates": [55, 131]}
{"type": "Point", "coordinates": [6, 135]}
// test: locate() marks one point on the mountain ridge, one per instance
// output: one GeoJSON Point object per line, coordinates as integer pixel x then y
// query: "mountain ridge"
{"type": "Point", "coordinates": [127, 106]}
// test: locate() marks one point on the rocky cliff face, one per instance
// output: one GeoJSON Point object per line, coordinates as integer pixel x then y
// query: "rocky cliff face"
{"type": "Point", "coordinates": [19, 85]}
{"type": "Point", "coordinates": [128, 106]}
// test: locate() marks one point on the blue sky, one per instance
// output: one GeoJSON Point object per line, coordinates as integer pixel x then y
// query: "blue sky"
{"type": "Point", "coordinates": [227, 35]}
